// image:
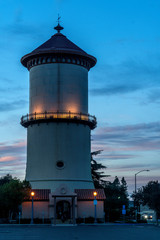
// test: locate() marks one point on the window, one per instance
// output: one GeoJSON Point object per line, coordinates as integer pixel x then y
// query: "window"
{"type": "Point", "coordinates": [60, 164]}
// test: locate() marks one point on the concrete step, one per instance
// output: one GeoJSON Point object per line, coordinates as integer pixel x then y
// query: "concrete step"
{"type": "Point", "coordinates": [68, 221]}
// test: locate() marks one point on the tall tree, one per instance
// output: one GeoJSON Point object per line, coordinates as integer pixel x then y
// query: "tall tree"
{"type": "Point", "coordinates": [116, 182]}
{"type": "Point", "coordinates": [98, 176]}
{"type": "Point", "coordinates": [116, 192]}
{"type": "Point", "coordinates": [124, 187]}
{"type": "Point", "coordinates": [116, 197]}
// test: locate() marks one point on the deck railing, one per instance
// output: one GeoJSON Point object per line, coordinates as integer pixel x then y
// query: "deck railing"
{"type": "Point", "coordinates": [34, 117]}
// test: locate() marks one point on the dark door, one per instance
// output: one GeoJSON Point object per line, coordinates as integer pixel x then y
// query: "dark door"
{"type": "Point", "coordinates": [63, 210]}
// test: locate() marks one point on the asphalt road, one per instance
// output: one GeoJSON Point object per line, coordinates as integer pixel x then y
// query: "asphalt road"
{"type": "Point", "coordinates": [106, 232]}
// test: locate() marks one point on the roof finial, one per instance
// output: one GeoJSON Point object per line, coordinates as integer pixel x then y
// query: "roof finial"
{"type": "Point", "coordinates": [58, 20]}
{"type": "Point", "coordinates": [58, 27]}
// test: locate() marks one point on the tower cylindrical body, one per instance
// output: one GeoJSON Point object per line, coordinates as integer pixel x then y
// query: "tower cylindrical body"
{"type": "Point", "coordinates": [58, 87]}
{"type": "Point", "coordinates": [48, 144]}
{"type": "Point", "coordinates": [63, 88]}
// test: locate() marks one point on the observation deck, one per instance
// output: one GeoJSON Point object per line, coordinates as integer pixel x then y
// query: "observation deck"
{"type": "Point", "coordinates": [45, 117]}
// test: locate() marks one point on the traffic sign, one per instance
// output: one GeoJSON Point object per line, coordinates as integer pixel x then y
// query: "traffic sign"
{"type": "Point", "coordinates": [124, 211]}
{"type": "Point", "coordinates": [95, 202]}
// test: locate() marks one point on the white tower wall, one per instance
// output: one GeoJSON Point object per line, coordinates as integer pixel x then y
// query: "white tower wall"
{"type": "Point", "coordinates": [52, 142]}
{"type": "Point", "coordinates": [58, 86]}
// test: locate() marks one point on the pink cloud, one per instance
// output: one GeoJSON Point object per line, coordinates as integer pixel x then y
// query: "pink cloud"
{"type": "Point", "coordinates": [12, 157]}
{"type": "Point", "coordinates": [15, 148]}
{"type": "Point", "coordinates": [7, 159]}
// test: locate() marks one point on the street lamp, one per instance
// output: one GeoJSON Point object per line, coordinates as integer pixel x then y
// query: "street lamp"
{"type": "Point", "coordinates": [32, 194]}
{"type": "Point", "coordinates": [95, 205]}
{"type": "Point", "coordinates": [136, 178]}
{"type": "Point", "coordinates": [136, 190]}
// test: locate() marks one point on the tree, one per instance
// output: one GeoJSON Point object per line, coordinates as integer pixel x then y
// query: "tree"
{"type": "Point", "coordinates": [116, 182]}
{"type": "Point", "coordinates": [98, 176]}
{"type": "Point", "coordinates": [116, 197]}
{"type": "Point", "coordinates": [12, 194]}
{"type": "Point", "coordinates": [5, 179]}
{"type": "Point", "coordinates": [116, 192]}
{"type": "Point", "coordinates": [124, 187]}
{"type": "Point", "coordinates": [149, 195]}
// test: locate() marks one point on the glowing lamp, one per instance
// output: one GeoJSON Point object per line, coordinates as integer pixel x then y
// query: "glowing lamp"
{"type": "Point", "coordinates": [95, 194]}
{"type": "Point", "coordinates": [32, 194]}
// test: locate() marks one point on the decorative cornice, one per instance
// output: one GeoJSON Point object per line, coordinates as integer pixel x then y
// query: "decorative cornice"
{"type": "Point", "coordinates": [69, 59]}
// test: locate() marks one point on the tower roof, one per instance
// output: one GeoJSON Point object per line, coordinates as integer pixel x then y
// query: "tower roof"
{"type": "Point", "coordinates": [58, 44]}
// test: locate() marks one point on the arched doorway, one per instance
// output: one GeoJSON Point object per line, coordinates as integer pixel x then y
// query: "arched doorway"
{"type": "Point", "coordinates": [63, 210]}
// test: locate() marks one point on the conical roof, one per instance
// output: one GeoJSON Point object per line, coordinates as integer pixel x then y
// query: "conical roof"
{"type": "Point", "coordinates": [58, 44]}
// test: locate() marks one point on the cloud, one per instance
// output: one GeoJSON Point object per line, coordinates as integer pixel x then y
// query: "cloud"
{"type": "Point", "coordinates": [113, 90]}
{"type": "Point", "coordinates": [131, 167]}
{"type": "Point", "coordinates": [11, 90]}
{"type": "Point", "coordinates": [137, 137]}
{"type": "Point", "coordinates": [7, 159]}
{"type": "Point", "coordinates": [14, 162]}
{"type": "Point", "coordinates": [126, 40]}
{"type": "Point", "coordinates": [154, 96]}
{"type": "Point", "coordinates": [18, 31]}
{"type": "Point", "coordinates": [116, 156]}
{"type": "Point", "coordinates": [5, 80]}
{"type": "Point", "coordinates": [128, 149]}
{"type": "Point", "coordinates": [9, 106]}
{"type": "Point", "coordinates": [13, 158]}
{"type": "Point", "coordinates": [20, 28]}
{"type": "Point", "coordinates": [151, 127]}
{"type": "Point", "coordinates": [15, 149]}
{"type": "Point", "coordinates": [126, 77]}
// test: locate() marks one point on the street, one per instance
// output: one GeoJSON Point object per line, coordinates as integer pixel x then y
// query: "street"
{"type": "Point", "coordinates": [111, 232]}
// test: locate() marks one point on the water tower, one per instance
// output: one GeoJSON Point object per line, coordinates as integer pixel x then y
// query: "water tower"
{"type": "Point", "coordinates": [58, 124]}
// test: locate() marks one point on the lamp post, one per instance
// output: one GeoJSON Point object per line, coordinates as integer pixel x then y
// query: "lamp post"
{"type": "Point", "coordinates": [95, 207]}
{"type": "Point", "coordinates": [32, 194]}
{"type": "Point", "coordinates": [136, 190]}
{"type": "Point", "coordinates": [136, 178]}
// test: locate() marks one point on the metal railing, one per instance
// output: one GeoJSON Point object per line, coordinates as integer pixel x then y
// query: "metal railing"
{"type": "Point", "coordinates": [33, 117]}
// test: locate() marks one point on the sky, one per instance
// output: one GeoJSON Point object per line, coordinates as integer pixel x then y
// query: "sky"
{"type": "Point", "coordinates": [124, 86]}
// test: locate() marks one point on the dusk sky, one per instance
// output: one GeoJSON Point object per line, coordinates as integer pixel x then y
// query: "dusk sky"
{"type": "Point", "coordinates": [124, 86]}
